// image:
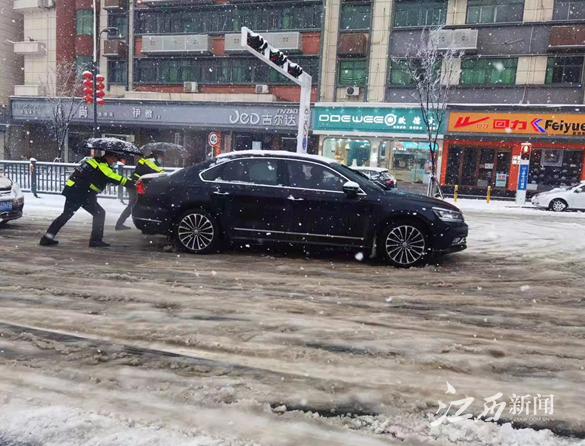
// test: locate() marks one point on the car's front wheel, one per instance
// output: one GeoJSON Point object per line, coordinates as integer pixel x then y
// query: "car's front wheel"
{"type": "Point", "coordinates": [558, 205]}
{"type": "Point", "coordinates": [404, 244]}
{"type": "Point", "coordinates": [197, 231]}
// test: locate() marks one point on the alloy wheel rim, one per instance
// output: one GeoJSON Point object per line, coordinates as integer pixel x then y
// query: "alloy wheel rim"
{"type": "Point", "coordinates": [405, 245]}
{"type": "Point", "coordinates": [196, 232]}
{"type": "Point", "coordinates": [558, 206]}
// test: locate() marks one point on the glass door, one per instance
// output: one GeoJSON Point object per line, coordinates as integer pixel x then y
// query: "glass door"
{"type": "Point", "coordinates": [502, 168]}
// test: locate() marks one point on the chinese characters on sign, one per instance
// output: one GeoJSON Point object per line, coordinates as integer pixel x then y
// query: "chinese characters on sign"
{"type": "Point", "coordinates": [518, 123]}
{"type": "Point", "coordinates": [527, 405]}
{"type": "Point", "coordinates": [282, 117]}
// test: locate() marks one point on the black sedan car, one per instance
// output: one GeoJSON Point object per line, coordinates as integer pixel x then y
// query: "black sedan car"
{"type": "Point", "coordinates": [281, 197]}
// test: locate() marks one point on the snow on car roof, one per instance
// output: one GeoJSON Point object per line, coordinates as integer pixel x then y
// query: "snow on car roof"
{"type": "Point", "coordinates": [372, 169]}
{"type": "Point", "coordinates": [280, 153]}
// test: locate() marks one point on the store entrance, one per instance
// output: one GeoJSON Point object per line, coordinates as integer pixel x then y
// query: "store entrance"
{"type": "Point", "coordinates": [479, 166]}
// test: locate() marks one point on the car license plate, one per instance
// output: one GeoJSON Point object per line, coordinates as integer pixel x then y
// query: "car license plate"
{"type": "Point", "coordinates": [5, 206]}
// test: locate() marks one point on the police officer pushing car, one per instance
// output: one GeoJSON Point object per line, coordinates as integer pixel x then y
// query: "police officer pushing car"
{"type": "Point", "coordinates": [84, 185]}
{"type": "Point", "coordinates": [146, 165]}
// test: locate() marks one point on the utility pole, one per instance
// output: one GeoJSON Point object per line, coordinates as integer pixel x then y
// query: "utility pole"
{"type": "Point", "coordinates": [258, 46]}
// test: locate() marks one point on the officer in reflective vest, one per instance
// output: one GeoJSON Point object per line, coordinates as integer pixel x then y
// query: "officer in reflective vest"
{"type": "Point", "coordinates": [81, 191]}
{"type": "Point", "coordinates": [144, 166]}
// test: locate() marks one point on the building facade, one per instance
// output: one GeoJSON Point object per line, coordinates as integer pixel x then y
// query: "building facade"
{"type": "Point", "coordinates": [174, 52]}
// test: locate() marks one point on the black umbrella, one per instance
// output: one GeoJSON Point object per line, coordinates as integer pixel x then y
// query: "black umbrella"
{"type": "Point", "coordinates": [161, 147]}
{"type": "Point", "coordinates": [113, 145]}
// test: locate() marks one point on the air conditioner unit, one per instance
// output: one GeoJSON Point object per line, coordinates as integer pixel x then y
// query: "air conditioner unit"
{"type": "Point", "coordinates": [352, 91]}
{"type": "Point", "coordinates": [261, 89]}
{"type": "Point", "coordinates": [190, 87]}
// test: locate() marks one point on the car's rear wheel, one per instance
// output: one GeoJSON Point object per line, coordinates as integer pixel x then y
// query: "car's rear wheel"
{"type": "Point", "coordinates": [197, 231]}
{"type": "Point", "coordinates": [558, 205]}
{"type": "Point", "coordinates": [404, 244]}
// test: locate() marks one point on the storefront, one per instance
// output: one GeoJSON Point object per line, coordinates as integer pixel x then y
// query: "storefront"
{"type": "Point", "coordinates": [371, 135]}
{"type": "Point", "coordinates": [481, 150]}
{"type": "Point", "coordinates": [235, 126]}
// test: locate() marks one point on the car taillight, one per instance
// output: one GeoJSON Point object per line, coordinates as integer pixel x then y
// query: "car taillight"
{"type": "Point", "coordinates": [389, 182]}
{"type": "Point", "coordinates": [140, 189]}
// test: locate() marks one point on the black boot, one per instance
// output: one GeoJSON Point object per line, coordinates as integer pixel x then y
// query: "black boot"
{"type": "Point", "coordinates": [48, 241]}
{"type": "Point", "coordinates": [98, 244]}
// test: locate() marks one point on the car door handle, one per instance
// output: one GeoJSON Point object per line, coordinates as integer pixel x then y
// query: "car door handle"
{"type": "Point", "coordinates": [290, 197]}
{"type": "Point", "coordinates": [216, 192]}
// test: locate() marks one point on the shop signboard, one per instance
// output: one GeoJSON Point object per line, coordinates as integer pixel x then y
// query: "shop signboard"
{"type": "Point", "coordinates": [369, 120]}
{"type": "Point", "coordinates": [558, 124]}
{"type": "Point", "coordinates": [501, 179]}
{"type": "Point", "coordinates": [170, 114]}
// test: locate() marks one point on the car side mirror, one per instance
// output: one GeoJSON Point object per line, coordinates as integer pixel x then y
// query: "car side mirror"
{"type": "Point", "coordinates": [351, 189]}
{"type": "Point", "coordinates": [577, 191]}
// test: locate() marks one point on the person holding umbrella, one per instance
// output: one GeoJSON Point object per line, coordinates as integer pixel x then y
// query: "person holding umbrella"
{"type": "Point", "coordinates": [84, 185]}
{"type": "Point", "coordinates": [146, 165]}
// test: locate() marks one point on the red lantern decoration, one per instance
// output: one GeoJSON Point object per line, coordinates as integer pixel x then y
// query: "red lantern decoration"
{"type": "Point", "coordinates": [100, 78]}
{"type": "Point", "coordinates": [100, 86]}
{"type": "Point", "coordinates": [87, 75]}
{"type": "Point", "coordinates": [88, 99]}
{"type": "Point", "coordinates": [88, 83]}
{"type": "Point", "coordinates": [100, 93]}
{"type": "Point", "coordinates": [100, 101]}
{"type": "Point", "coordinates": [87, 91]}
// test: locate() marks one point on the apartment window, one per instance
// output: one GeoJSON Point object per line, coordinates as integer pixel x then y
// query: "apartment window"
{"type": "Point", "coordinates": [420, 13]}
{"type": "Point", "coordinates": [356, 16]}
{"type": "Point", "coordinates": [564, 70]}
{"type": "Point", "coordinates": [569, 10]}
{"type": "Point", "coordinates": [494, 11]}
{"type": "Point", "coordinates": [353, 72]}
{"type": "Point", "coordinates": [82, 63]}
{"type": "Point", "coordinates": [488, 71]}
{"type": "Point", "coordinates": [117, 72]}
{"type": "Point", "coordinates": [217, 70]}
{"type": "Point", "coordinates": [84, 22]}
{"type": "Point", "coordinates": [118, 21]}
{"type": "Point", "coordinates": [400, 74]}
{"type": "Point", "coordinates": [231, 19]}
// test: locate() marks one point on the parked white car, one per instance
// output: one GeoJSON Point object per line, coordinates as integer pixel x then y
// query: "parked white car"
{"type": "Point", "coordinates": [11, 200]}
{"type": "Point", "coordinates": [562, 199]}
{"type": "Point", "coordinates": [377, 174]}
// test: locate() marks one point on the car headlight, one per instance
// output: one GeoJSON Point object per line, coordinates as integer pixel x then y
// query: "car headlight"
{"type": "Point", "coordinates": [18, 201]}
{"type": "Point", "coordinates": [448, 215]}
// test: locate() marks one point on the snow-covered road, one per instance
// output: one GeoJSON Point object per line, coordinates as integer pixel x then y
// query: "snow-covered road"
{"type": "Point", "coordinates": [136, 345]}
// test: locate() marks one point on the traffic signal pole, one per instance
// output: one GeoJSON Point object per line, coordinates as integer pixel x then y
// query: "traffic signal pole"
{"type": "Point", "coordinates": [258, 46]}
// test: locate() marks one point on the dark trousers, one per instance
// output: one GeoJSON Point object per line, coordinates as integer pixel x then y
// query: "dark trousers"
{"type": "Point", "coordinates": [72, 205]}
{"type": "Point", "coordinates": [128, 211]}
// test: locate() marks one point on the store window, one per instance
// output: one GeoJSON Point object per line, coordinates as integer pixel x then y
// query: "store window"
{"type": "Point", "coordinates": [564, 70]}
{"type": "Point", "coordinates": [488, 71]}
{"type": "Point", "coordinates": [551, 168]}
{"type": "Point", "coordinates": [478, 166]}
{"type": "Point", "coordinates": [494, 11]}
{"type": "Point", "coordinates": [410, 161]}
{"type": "Point", "coordinates": [420, 13]}
{"type": "Point", "coordinates": [356, 16]}
{"type": "Point", "coordinates": [353, 72]}
{"type": "Point", "coordinates": [351, 152]}
{"type": "Point", "coordinates": [84, 22]}
{"type": "Point", "coordinates": [569, 10]}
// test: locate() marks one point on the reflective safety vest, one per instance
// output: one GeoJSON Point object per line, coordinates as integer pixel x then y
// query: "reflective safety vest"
{"type": "Point", "coordinates": [145, 166]}
{"type": "Point", "coordinates": [93, 176]}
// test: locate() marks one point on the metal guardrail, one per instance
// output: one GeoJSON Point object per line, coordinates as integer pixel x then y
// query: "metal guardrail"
{"type": "Point", "coordinates": [39, 177]}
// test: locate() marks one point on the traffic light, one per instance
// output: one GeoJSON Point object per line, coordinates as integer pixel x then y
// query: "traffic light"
{"type": "Point", "coordinates": [277, 57]}
{"type": "Point", "coordinates": [294, 69]}
{"type": "Point", "coordinates": [257, 42]}
{"type": "Point", "coordinates": [100, 93]}
{"type": "Point", "coordinates": [525, 151]}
